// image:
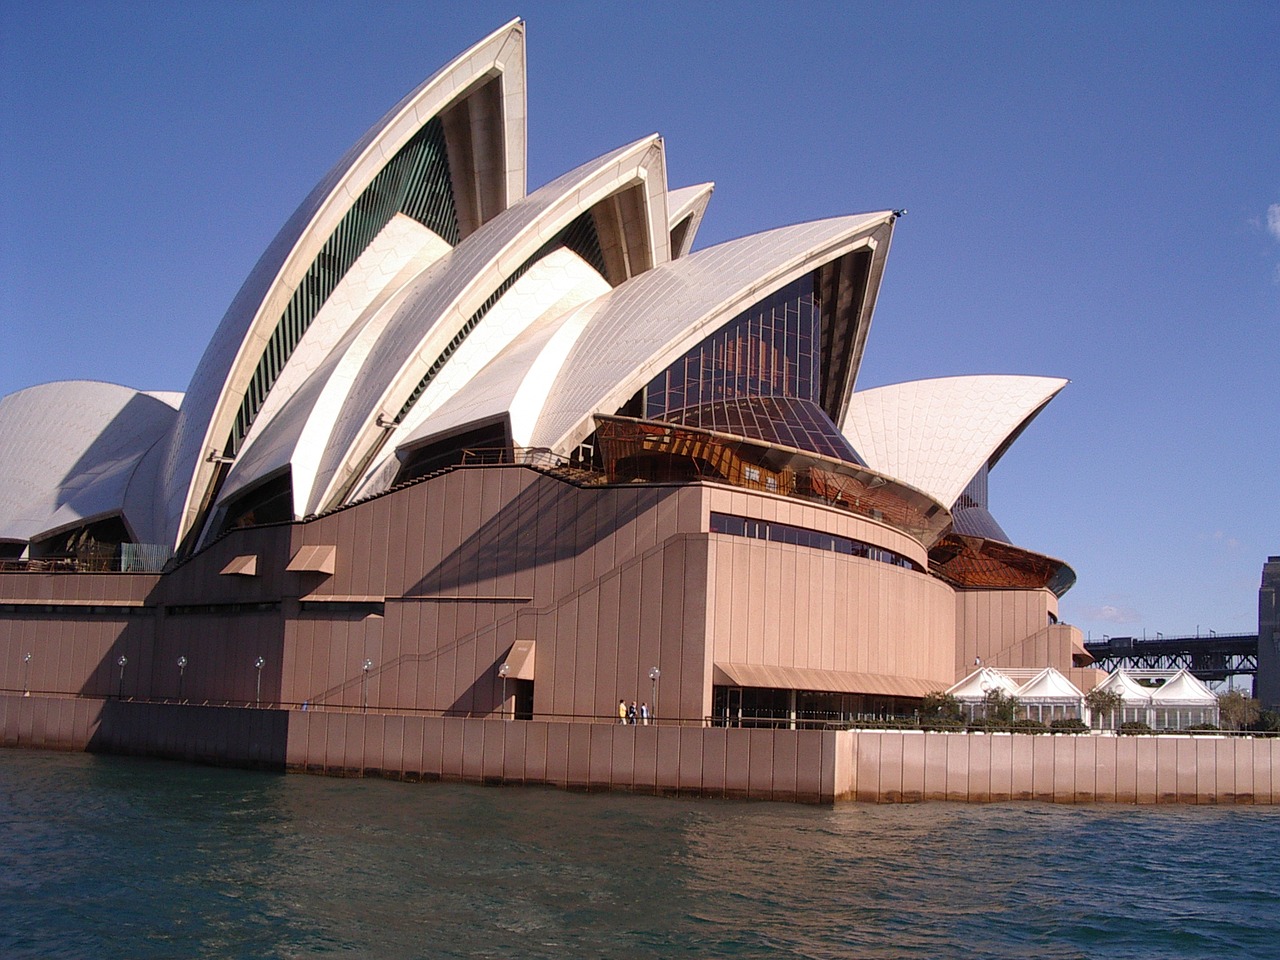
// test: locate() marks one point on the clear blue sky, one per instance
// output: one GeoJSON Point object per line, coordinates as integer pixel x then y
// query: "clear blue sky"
{"type": "Point", "coordinates": [1089, 187]}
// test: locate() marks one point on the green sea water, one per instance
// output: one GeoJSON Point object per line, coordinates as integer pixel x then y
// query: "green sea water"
{"type": "Point", "coordinates": [105, 857]}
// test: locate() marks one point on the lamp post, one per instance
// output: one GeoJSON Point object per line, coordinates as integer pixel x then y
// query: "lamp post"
{"type": "Point", "coordinates": [120, 688]}
{"type": "Point", "coordinates": [182, 669]}
{"type": "Point", "coordinates": [364, 685]}
{"type": "Point", "coordinates": [259, 663]}
{"type": "Point", "coordinates": [26, 675]}
{"type": "Point", "coordinates": [502, 672]}
{"type": "Point", "coordinates": [654, 676]}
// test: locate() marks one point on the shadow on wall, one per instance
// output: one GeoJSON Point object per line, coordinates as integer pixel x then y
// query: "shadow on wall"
{"type": "Point", "coordinates": [201, 657]}
{"type": "Point", "coordinates": [547, 522]}
{"type": "Point", "coordinates": [239, 736]}
{"type": "Point", "coordinates": [102, 473]}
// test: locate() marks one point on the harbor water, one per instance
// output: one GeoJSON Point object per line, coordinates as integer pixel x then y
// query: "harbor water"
{"type": "Point", "coordinates": [117, 857]}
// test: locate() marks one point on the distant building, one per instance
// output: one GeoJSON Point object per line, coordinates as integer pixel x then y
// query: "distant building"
{"type": "Point", "coordinates": [461, 449]}
{"type": "Point", "coordinates": [1268, 683]}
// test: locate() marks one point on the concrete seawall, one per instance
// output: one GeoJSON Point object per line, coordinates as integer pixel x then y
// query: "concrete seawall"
{"type": "Point", "coordinates": [808, 766]}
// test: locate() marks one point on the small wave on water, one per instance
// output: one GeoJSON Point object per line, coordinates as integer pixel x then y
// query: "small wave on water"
{"type": "Point", "coordinates": [114, 857]}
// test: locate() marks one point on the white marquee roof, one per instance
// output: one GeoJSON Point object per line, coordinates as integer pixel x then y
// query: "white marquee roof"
{"type": "Point", "coordinates": [1048, 684]}
{"type": "Point", "coordinates": [976, 685]}
{"type": "Point", "coordinates": [1129, 688]}
{"type": "Point", "coordinates": [1183, 688]}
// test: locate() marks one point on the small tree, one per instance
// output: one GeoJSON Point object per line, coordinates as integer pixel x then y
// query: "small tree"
{"type": "Point", "coordinates": [939, 706]}
{"type": "Point", "coordinates": [1001, 708]}
{"type": "Point", "coordinates": [1236, 711]}
{"type": "Point", "coordinates": [1104, 704]}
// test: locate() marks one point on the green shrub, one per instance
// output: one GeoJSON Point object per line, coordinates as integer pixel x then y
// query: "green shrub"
{"type": "Point", "coordinates": [1027, 725]}
{"type": "Point", "coordinates": [1202, 727]}
{"type": "Point", "coordinates": [1069, 725]}
{"type": "Point", "coordinates": [943, 723]}
{"type": "Point", "coordinates": [1134, 727]}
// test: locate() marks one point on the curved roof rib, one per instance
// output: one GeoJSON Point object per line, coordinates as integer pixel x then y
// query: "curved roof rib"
{"type": "Point", "coordinates": [937, 434]}
{"type": "Point", "coordinates": [637, 330]}
{"type": "Point", "coordinates": [71, 450]}
{"type": "Point", "coordinates": [479, 100]}
{"type": "Point", "coordinates": [687, 206]}
{"type": "Point", "coordinates": [622, 195]}
{"type": "Point", "coordinates": [293, 425]}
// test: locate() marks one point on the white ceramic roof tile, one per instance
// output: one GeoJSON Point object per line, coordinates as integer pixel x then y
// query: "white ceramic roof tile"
{"type": "Point", "coordinates": [299, 432]}
{"type": "Point", "coordinates": [555, 285]}
{"type": "Point", "coordinates": [457, 286]}
{"type": "Point", "coordinates": [936, 434]}
{"type": "Point", "coordinates": [403, 244]}
{"type": "Point", "coordinates": [224, 371]}
{"type": "Point", "coordinates": [645, 324]}
{"type": "Point", "coordinates": [690, 202]}
{"type": "Point", "coordinates": [68, 451]}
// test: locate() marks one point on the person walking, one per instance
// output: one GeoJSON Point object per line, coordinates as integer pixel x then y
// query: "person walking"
{"type": "Point", "coordinates": [622, 711]}
{"type": "Point", "coordinates": [644, 713]}
{"type": "Point", "coordinates": [631, 712]}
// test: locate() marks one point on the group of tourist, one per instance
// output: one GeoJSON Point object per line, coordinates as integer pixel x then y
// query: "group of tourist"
{"type": "Point", "coordinates": [630, 713]}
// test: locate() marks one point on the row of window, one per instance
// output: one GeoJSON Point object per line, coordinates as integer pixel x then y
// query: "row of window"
{"type": "Point", "coordinates": [187, 610]}
{"type": "Point", "coordinates": [73, 610]}
{"type": "Point", "coordinates": [196, 609]}
{"type": "Point", "coordinates": [737, 526]}
{"type": "Point", "coordinates": [362, 607]}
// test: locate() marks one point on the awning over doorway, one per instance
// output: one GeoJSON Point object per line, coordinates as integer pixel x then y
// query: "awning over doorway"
{"type": "Point", "coordinates": [830, 681]}
{"type": "Point", "coordinates": [520, 659]}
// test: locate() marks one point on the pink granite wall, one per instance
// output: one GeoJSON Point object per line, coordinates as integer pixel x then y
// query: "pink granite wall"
{"type": "Point", "coordinates": [794, 765]}
{"type": "Point", "coordinates": [903, 767]}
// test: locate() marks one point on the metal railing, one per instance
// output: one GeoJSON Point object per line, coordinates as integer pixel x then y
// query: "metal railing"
{"type": "Point", "coordinates": [867, 724]}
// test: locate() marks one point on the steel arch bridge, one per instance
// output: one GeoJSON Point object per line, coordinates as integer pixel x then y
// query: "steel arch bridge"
{"type": "Point", "coordinates": [1212, 657]}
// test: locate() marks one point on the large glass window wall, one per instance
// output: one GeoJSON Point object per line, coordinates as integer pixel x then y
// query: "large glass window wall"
{"type": "Point", "coordinates": [760, 376]}
{"type": "Point", "coordinates": [804, 537]}
{"type": "Point", "coordinates": [769, 350]}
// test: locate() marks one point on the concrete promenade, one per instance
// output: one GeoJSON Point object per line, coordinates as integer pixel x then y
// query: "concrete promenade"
{"type": "Point", "coordinates": [809, 766]}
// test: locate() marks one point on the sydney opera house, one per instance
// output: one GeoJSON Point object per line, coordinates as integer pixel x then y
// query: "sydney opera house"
{"type": "Point", "coordinates": [458, 449]}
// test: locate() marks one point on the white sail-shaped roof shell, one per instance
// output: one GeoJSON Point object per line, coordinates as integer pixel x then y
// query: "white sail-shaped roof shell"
{"type": "Point", "coordinates": [71, 451]}
{"type": "Point", "coordinates": [641, 327]}
{"type": "Point", "coordinates": [937, 434]}
{"type": "Point", "coordinates": [223, 375]}
{"type": "Point", "coordinates": [293, 427]}
{"type": "Point", "coordinates": [686, 207]}
{"type": "Point", "coordinates": [559, 373]}
{"type": "Point", "coordinates": [451, 292]}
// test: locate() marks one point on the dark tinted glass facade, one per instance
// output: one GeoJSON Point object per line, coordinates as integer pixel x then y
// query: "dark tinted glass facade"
{"type": "Point", "coordinates": [759, 376]}
{"type": "Point", "coordinates": [804, 537]}
{"type": "Point", "coordinates": [769, 350]}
